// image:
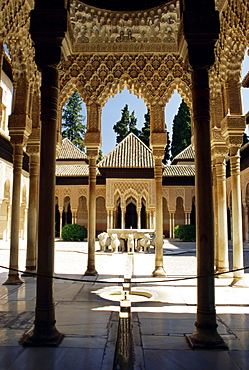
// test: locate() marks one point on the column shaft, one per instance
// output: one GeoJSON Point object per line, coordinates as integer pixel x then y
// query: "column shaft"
{"type": "Point", "coordinates": [91, 218]}
{"type": "Point", "coordinates": [13, 277]}
{"type": "Point", "coordinates": [205, 334]}
{"type": "Point", "coordinates": [237, 219]}
{"type": "Point", "coordinates": [246, 222]}
{"type": "Point", "coordinates": [222, 263]}
{"type": "Point", "coordinates": [44, 331]}
{"type": "Point", "coordinates": [159, 270]}
{"type": "Point", "coordinates": [32, 231]}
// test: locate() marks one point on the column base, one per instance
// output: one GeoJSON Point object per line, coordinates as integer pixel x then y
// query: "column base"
{"type": "Point", "coordinates": [224, 272]}
{"type": "Point", "coordinates": [206, 337]}
{"type": "Point", "coordinates": [238, 282]}
{"type": "Point", "coordinates": [42, 335]}
{"type": "Point", "coordinates": [30, 271]}
{"type": "Point", "coordinates": [159, 271]}
{"type": "Point", "coordinates": [91, 271]}
{"type": "Point", "coordinates": [13, 280]}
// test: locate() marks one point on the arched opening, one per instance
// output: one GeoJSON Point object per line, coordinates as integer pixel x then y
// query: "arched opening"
{"type": "Point", "coordinates": [57, 219]}
{"type": "Point", "coordinates": [82, 217]}
{"type": "Point", "coordinates": [131, 214]}
{"type": "Point", "coordinates": [101, 215]}
{"type": "Point", "coordinates": [118, 216]}
{"type": "Point", "coordinates": [143, 215]}
{"type": "Point", "coordinates": [166, 225]}
{"type": "Point", "coordinates": [179, 215]}
{"type": "Point", "coordinates": [192, 214]}
{"type": "Point", "coordinates": [67, 214]}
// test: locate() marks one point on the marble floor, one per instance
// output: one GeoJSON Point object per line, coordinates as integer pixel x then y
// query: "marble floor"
{"type": "Point", "coordinates": [87, 312]}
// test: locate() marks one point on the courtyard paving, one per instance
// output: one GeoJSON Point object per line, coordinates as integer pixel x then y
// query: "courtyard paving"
{"type": "Point", "coordinates": [163, 312]}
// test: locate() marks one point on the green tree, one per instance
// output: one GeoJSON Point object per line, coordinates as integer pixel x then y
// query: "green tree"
{"type": "Point", "coordinates": [181, 137]}
{"type": "Point", "coordinates": [73, 127]}
{"type": "Point", "coordinates": [245, 139]}
{"type": "Point", "coordinates": [133, 124]}
{"type": "Point", "coordinates": [145, 132]}
{"type": "Point", "coordinates": [167, 150]}
{"type": "Point", "coordinates": [126, 124]}
{"type": "Point", "coordinates": [121, 127]}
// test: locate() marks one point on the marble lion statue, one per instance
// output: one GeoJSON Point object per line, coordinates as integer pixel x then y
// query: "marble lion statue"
{"type": "Point", "coordinates": [144, 243]}
{"type": "Point", "coordinates": [130, 243]}
{"type": "Point", "coordinates": [115, 242]}
{"type": "Point", "coordinates": [104, 241]}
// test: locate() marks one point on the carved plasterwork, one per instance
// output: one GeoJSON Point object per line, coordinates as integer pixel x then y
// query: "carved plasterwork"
{"type": "Point", "coordinates": [100, 30]}
{"type": "Point", "coordinates": [152, 76]}
{"type": "Point", "coordinates": [230, 48]}
{"type": "Point", "coordinates": [14, 32]}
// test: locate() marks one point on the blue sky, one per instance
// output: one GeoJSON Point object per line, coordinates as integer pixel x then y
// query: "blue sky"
{"type": "Point", "coordinates": [111, 112]}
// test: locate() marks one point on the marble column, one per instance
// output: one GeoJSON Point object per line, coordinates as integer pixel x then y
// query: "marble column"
{"type": "Point", "coordinates": [246, 221]}
{"type": "Point", "coordinates": [205, 335]}
{"type": "Point", "coordinates": [44, 332]}
{"type": "Point", "coordinates": [61, 220]}
{"type": "Point", "coordinates": [238, 262]}
{"type": "Point", "coordinates": [200, 42]}
{"type": "Point", "coordinates": [222, 263]}
{"type": "Point", "coordinates": [139, 217]}
{"type": "Point", "coordinates": [122, 218]}
{"type": "Point", "coordinates": [32, 232]}
{"type": "Point", "coordinates": [13, 277]}
{"type": "Point", "coordinates": [159, 270]}
{"type": "Point", "coordinates": [91, 270]}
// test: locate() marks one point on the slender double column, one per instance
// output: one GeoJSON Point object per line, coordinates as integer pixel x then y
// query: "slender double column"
{"type": "Point", "coordinates": [91, 215]}
{"type": "Point", "coordinates": [13, 277]}
{"type": "Point", "coordinates": [159, 270]}
{"type": "Point", "coordinates": [238, 262]}
{"type": "Point", "coordinates": [222, 263]}
{"type": "Point", "coordinates": [32, 231]}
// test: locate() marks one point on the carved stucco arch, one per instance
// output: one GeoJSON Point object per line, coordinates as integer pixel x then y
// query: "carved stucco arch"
{"type": "Point", "coordinates": [97, 77]}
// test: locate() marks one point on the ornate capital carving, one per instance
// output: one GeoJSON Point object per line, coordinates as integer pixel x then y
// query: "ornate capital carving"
{"type": "Point", "coordinates": [92, 153]}
{"type": "Point", "coordinates": [20, 126]}
{"type": "Point", "coordinates": [158, 153]}
{"type": "Point", "coordinates": [158, 140]}
{"type": "Point", "coordinates": [92, 139]}
{"type": "Point", "coordinates": [232, 128]}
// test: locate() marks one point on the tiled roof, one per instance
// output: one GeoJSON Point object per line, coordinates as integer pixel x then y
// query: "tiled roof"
{"type": "Point", "coordinates": [178, 170]}
{"type": "Point", "coordinates": [129, 153]}
{"type": "Point", "coordinates": [69, 170]}
{"type": "Point", "coordinates": [186, 154]}
{"type": "Point", "coordinates": [70, 151]}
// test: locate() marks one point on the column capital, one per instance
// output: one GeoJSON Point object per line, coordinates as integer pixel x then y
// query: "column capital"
{"type": "Point", "coordinates": [92, 153]}
{"type": "Point", "coordinates": [200, 31]}
{"type": "Point", "coordinates": [219, 148]}
{"type": "Point", "coordinates": [92, 140]}
{"type": "Point", "coordinates": [20, 126]}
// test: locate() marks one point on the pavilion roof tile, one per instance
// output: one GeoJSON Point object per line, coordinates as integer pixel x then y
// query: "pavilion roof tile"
{"type": "Point", "coordinates": [129, 153]}
{"type": "Point", "coordinates": [70, 151]}
{"type": "Point", "coordinates": [73, 170]}
{"type": "Point", "coordinates": [178, 170]}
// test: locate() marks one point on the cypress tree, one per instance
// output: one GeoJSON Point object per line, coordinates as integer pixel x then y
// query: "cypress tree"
{"type": "Point", "coordinates": [73, 127]}
{"type": "Point", "coordinates": [181, 137]}
{"type": "Point", "coordinates": [145, 132]}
